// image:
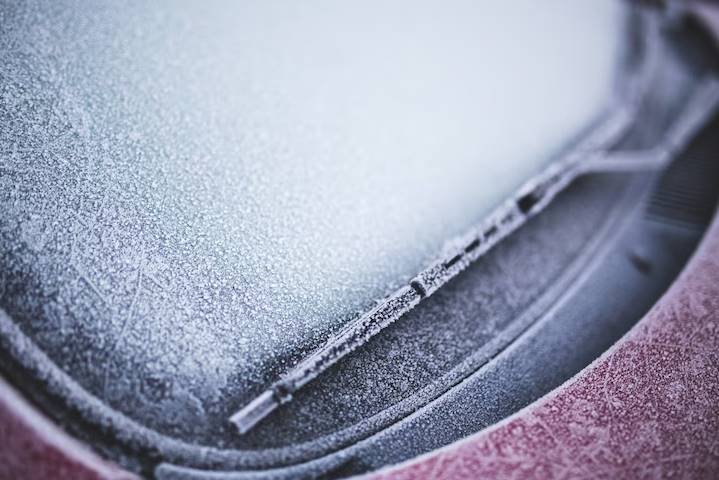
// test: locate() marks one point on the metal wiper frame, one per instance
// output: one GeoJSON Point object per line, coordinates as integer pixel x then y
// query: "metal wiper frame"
{"type": "Point", "coordinates": [590, 155]}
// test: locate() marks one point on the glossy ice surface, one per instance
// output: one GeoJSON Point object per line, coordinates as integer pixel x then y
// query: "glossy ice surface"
{"type": "Point", "coordinates": [199, 193]}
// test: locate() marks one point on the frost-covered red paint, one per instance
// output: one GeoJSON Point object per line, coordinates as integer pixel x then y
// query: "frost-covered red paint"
{"type": "Point", "coordinates": [32, 448]}
{"type": "Point", "coordinates": [648, 408]}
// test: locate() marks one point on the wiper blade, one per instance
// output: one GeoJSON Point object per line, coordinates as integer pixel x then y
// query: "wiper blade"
{"type": "Point", "coordinates": [591, 155]}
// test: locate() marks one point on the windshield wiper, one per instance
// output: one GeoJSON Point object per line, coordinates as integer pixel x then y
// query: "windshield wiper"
{"type": "Point", "coordinates": [592, 155]}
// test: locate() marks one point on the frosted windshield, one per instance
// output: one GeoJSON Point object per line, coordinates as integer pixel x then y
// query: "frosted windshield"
{"type": "Point", "coordinates": [267, 170]}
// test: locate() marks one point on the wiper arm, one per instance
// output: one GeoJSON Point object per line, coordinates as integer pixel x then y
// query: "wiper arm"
{"type": "Point", "coordinates": [591, 155]}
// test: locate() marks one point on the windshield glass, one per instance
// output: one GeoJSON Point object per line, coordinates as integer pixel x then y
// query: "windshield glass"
{"type": "Point", "coordinates": [237, 180]}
